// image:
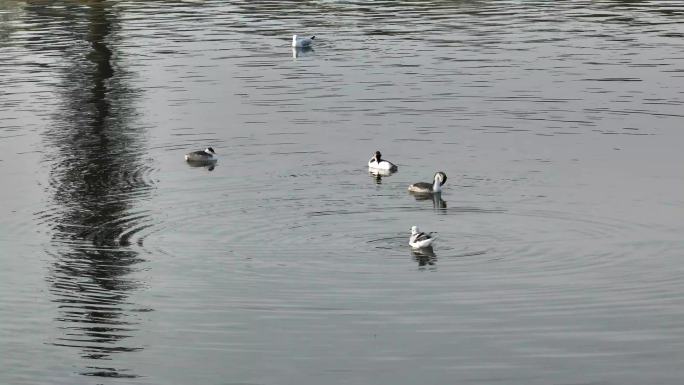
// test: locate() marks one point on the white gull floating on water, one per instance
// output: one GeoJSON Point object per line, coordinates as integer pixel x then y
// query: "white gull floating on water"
{"type": "Point", "coordinates": [419, 240]}
{"type": "Point", "coordinates": [302, 42]}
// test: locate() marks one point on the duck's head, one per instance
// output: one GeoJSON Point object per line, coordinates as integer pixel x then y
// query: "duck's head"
{"type": "Point", "coordinates": [377, 156]}
{"type": "Point", "coordinates": [209, 150]}
{"type": "Point", "coordinates": [440, 177]}
{"type": "Point", "coordinates": [414, 229]}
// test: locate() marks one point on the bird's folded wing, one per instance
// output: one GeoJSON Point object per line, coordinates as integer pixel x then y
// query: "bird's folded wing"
{"type": "Point", "coordinates": [422, 237]}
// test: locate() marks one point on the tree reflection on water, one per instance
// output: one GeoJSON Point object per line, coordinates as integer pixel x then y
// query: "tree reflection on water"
{"type": "Point", "coordinates": [95, 153]}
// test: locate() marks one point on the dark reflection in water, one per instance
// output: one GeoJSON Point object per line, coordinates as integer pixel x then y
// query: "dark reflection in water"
{"type": "Point", "coordinates": [210, 166]}
{"type": "Point", "coordinates": [437, 201]}
{"type": "Point", "coordinates": [95, 180]}
{"type": "Point", "coordinates": [425, 256]}
{"type": "Point", "coordinates": [301, 51]}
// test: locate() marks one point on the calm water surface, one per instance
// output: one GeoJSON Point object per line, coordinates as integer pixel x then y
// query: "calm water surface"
{"type": "Point", "coordinates": [559, 258]}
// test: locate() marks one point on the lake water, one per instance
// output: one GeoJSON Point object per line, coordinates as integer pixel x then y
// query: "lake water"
{"type": "Point", "coordinates": [559, 257]}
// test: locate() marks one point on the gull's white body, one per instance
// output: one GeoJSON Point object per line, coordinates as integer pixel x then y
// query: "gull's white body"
{"type": "Point", "coordinates": [419, 240]}
{"type": "Point", "coordinates": [302, 42]}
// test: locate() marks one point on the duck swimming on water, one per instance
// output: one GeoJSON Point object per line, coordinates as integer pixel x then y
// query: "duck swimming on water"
{"type": "Point", "coordinates": [207, 155]}
{"type": "Point", "coordinates": [377, 163]}
{"type": "Point", "coordinates": [426, 188]}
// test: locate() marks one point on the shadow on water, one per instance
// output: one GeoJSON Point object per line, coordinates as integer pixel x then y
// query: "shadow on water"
{"type": "Point", "coordinates": [437, 202]}
{"type": "Point", "coordinates": [96, 179]}
{"type": "Point", "coordinates": [210, 166]}
{"type": "Point", "coordinates": [425, 257]}
{"type": "Point", "coordinates": [298, 52]}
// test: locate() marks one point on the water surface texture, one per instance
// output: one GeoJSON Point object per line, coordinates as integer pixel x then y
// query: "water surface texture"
{"type": "Point", "coordinates": [560, 229]}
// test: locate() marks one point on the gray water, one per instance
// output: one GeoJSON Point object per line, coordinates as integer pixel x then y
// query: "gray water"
{"type": "Point", "coordinates": [560, 230]}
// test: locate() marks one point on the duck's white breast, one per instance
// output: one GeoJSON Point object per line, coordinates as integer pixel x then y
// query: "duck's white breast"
{"type": "Point", "coordinates": [383, 165]}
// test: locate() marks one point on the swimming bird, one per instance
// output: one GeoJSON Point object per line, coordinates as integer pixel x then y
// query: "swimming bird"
{"type": "Point", "coordinates": [208, 155]}
{"type": "Point", "coordinates": [377, 163]}
{"type": "Point", "coordinates": [426, 188]}
{"type": "Point", "coordinates": [302, 41]}
{"type": "Point", "coordinates": [419, 239]}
